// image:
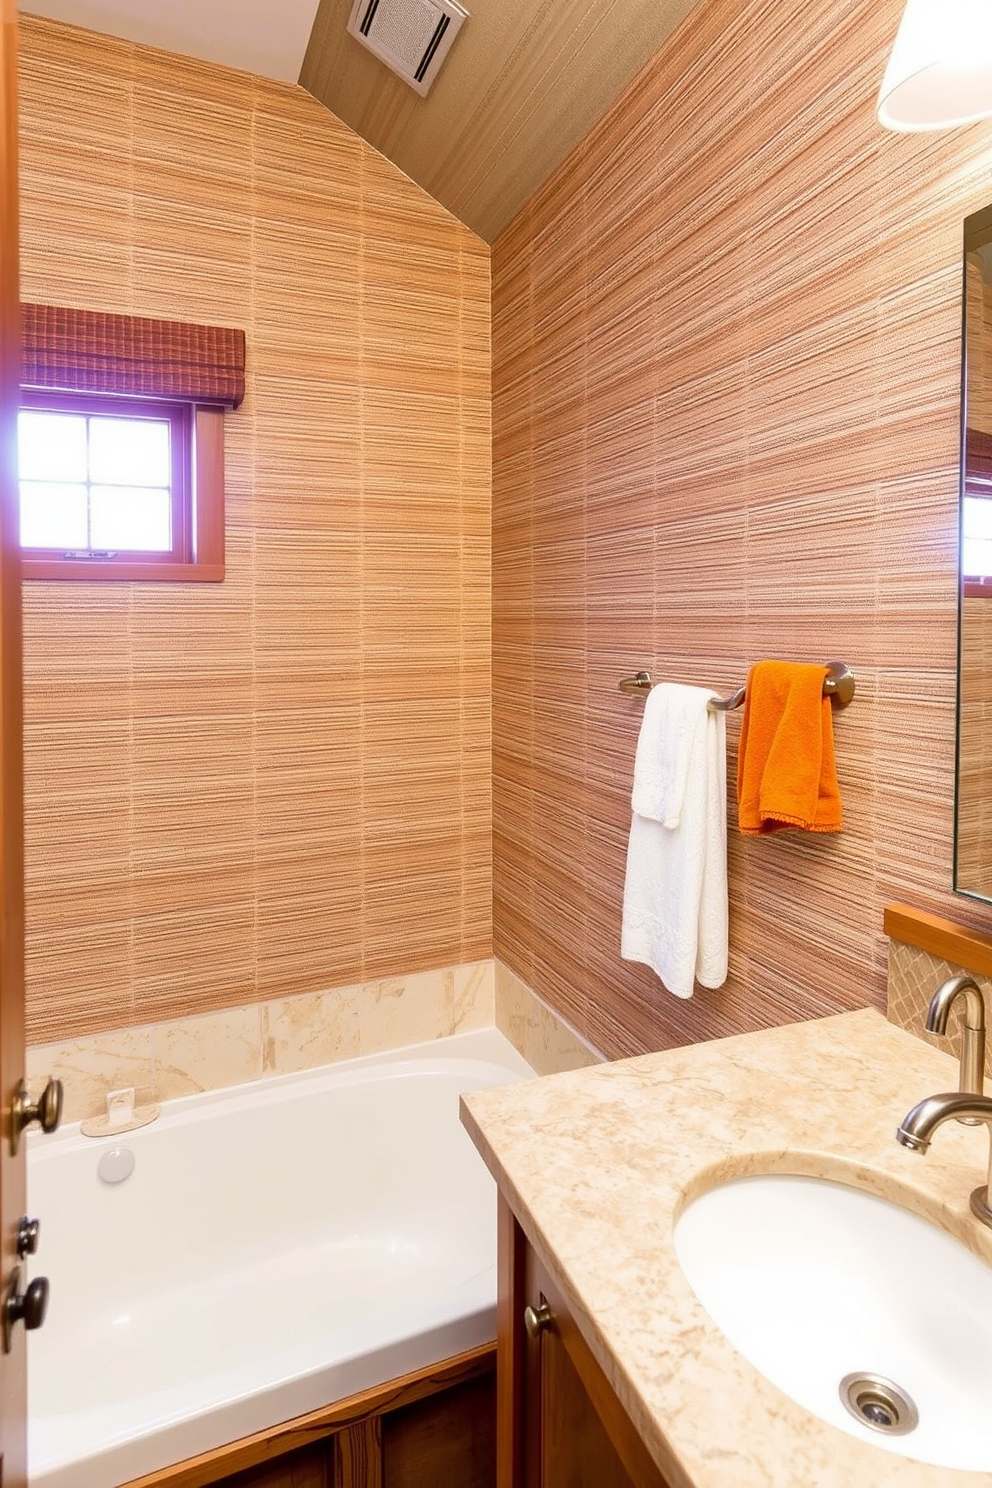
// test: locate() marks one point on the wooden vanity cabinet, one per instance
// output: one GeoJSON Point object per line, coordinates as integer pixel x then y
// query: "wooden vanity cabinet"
{"type": "Point", "coordinates": [559, 1423]}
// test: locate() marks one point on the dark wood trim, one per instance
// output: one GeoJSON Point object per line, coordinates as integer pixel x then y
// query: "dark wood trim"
{"type": "Point", "coordinates": [969, 949]}
{"type": "Point", "coordinates": [972, 589]}
{"type": "Point", "coordinates": [13, 1373]}
{"type": "Point", "coordinates": [358, 1455]}
{"type": "Point", "coordinates": [511, 1300]}
{"type": "Point", "coordinates": [265, 1446]}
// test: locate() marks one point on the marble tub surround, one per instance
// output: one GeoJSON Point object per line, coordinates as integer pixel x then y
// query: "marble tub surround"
{"type": "Point", "coordinates": [547, 1042]}
{"type": "Point", "coordinates": [186, 1055]}
{"type": "Point", "coordinates": [599, 1163]}
{"type": "Point", "coordinates": [914, 975]}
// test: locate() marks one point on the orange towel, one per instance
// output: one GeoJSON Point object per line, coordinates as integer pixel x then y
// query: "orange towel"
{"type": "Point", "coordinates": [786, 771]}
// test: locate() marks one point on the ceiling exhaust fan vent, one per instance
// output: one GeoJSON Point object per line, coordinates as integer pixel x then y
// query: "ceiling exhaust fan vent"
{"type": "Point", "coordinates": [413, 37]}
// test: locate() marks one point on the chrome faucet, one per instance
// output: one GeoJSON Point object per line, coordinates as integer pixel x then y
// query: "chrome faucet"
{"type": "Point", "coordinates": [923, 1120]}
{"type": "Point", "coordinates": [972, 1079]}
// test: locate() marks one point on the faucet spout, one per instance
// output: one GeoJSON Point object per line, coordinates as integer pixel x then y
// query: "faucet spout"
{"type": "Point", "coordinates": [947, 995]}
{"type": "Point", "coordinates": [919, 1125]}
{"type": "Point", "coordinates": [973, 1033]}
{"type": "Point", "coordinates": [922, 1121]}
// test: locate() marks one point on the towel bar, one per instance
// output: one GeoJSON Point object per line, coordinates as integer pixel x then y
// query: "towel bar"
{"type": "Point", "coordinates": [838, 686]}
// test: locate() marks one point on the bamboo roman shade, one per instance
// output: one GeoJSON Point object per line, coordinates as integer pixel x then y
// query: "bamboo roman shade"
{"type": "Point", "coordinates": [88, 351]}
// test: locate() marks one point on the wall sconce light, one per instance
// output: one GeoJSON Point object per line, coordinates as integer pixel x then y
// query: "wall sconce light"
{"type": "Point", "coordinates": [940, 70]}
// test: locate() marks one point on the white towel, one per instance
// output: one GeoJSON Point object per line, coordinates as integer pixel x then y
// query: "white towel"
{"type": "Point", "coordinates": [675, 895]}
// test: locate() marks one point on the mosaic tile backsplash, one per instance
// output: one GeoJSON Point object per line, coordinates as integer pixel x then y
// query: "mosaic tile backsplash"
{"type": "Point", "coordinates": [914, 976]}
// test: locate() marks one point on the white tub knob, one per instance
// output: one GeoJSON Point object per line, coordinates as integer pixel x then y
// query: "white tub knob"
{"type": "Point", "coordinates": [116, 1165]}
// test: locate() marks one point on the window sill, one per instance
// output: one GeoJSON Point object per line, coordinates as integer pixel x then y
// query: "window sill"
{"type": "Point", "coordinates": [101, 573]}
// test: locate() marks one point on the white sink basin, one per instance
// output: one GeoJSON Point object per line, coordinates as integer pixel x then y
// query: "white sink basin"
{"type": "Point", "coordinates": [814, 1282]}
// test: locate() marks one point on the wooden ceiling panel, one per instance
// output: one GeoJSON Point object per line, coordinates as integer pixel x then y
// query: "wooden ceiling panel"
{"type": "Point", "coordinates": [525, 81]}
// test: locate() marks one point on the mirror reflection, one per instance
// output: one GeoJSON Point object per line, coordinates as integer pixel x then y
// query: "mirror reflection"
{"type": "Point", "coordinates": [973, 834]}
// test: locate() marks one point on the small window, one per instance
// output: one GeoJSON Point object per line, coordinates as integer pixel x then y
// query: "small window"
{"type": "Point", "coordinates": [121, 444]}
{"type": "Point", "coordinates": [118, 488]}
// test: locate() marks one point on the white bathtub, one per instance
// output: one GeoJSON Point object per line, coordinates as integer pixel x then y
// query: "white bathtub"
{"type": "Point", "coordinates": [279, 1246]}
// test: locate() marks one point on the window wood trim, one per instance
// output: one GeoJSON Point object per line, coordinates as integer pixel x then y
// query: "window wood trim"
{"type": "Point", "coordinates": [205, 541]}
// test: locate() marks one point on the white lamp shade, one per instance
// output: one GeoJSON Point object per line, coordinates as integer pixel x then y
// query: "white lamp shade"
{"type": "Point", "coordinates": [940, 70]}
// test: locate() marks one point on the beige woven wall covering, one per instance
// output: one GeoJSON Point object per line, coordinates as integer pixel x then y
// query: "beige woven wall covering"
{"type": "Point", "coordinates": [280, 783]}
{"type": "Point", "coordinates": [726, 379]}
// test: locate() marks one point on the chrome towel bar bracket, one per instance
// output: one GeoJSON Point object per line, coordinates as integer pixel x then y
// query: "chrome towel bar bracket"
{"type": "Point", "coordinates": [838, 686]}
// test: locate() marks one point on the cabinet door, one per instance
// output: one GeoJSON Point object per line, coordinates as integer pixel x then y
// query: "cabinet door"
{"type": "Point", "coordinates": [575, 1450]}
{"type": "Point", "coordinates": [561, 1426]}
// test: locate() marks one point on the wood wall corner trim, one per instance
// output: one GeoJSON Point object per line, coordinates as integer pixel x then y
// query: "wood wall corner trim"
{"type": "Point", "coordinates": [970, 949]}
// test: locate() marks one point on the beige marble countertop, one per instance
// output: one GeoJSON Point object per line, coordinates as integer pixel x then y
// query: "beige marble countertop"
{"type": "Point", "coordinates": [599, 1163]}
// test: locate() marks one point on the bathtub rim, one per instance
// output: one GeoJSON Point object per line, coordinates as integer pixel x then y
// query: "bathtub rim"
{"type": "Point", "coordinates": [478, 1046]}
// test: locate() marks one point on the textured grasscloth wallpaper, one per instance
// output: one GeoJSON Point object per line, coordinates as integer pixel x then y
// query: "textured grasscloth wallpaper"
{"type": "Point", "coordinates": [726, 372]}
{"type": "Point", "coordinates": [726, 402]}
{"type": "Point", "coordinates": [281, 783]}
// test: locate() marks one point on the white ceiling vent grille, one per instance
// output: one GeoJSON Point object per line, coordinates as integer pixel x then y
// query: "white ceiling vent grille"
{"type": "Point", "coordinates": [413, 37]}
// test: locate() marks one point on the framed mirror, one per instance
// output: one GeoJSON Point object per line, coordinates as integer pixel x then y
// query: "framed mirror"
{"type": "Point", "coordinates": [973, 795]}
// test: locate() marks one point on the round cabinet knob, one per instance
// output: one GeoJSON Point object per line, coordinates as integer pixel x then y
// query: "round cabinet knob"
{"type": "Point", "coordinates": [46, 1110]}
{"type": "Point", "coordinates": [536, 1319]}
{"type": "Point", "coordinates": [28, 1307]}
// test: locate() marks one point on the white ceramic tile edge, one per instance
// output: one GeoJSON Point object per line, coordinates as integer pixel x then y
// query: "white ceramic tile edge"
{"type": "Point", "coordinates": [212, 1050]}
{"type": "Point", "coordinates": [549, 1044]}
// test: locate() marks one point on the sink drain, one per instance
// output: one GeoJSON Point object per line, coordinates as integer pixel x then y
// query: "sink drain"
{"type": "Point", "coordinates": [878, 1403]}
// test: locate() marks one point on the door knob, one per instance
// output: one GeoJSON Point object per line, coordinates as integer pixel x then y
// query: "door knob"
{"type": "Point", "coordinates": [28, 1306]}
{"type": "Point", "coordinates": [46, 1110]}
{"type": "Point", "coordinates": [536, 1319]}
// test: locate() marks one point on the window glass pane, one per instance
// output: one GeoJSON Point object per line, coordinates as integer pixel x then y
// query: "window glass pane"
{"type": "Point", "coordinates": [977, 517]}
{"type": "Point", "coordinates": [976, 554]}
{"type": "Point", "coordinates": [977, 558]}
{"type": "Point", "coordinates": [130, 517]}
{"type": "Point", "coordinates": [53, 516]}
{"type": "Point", "coordinates": [51, 446]}
{"type": "Point", "coordinates": [129, 452]}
